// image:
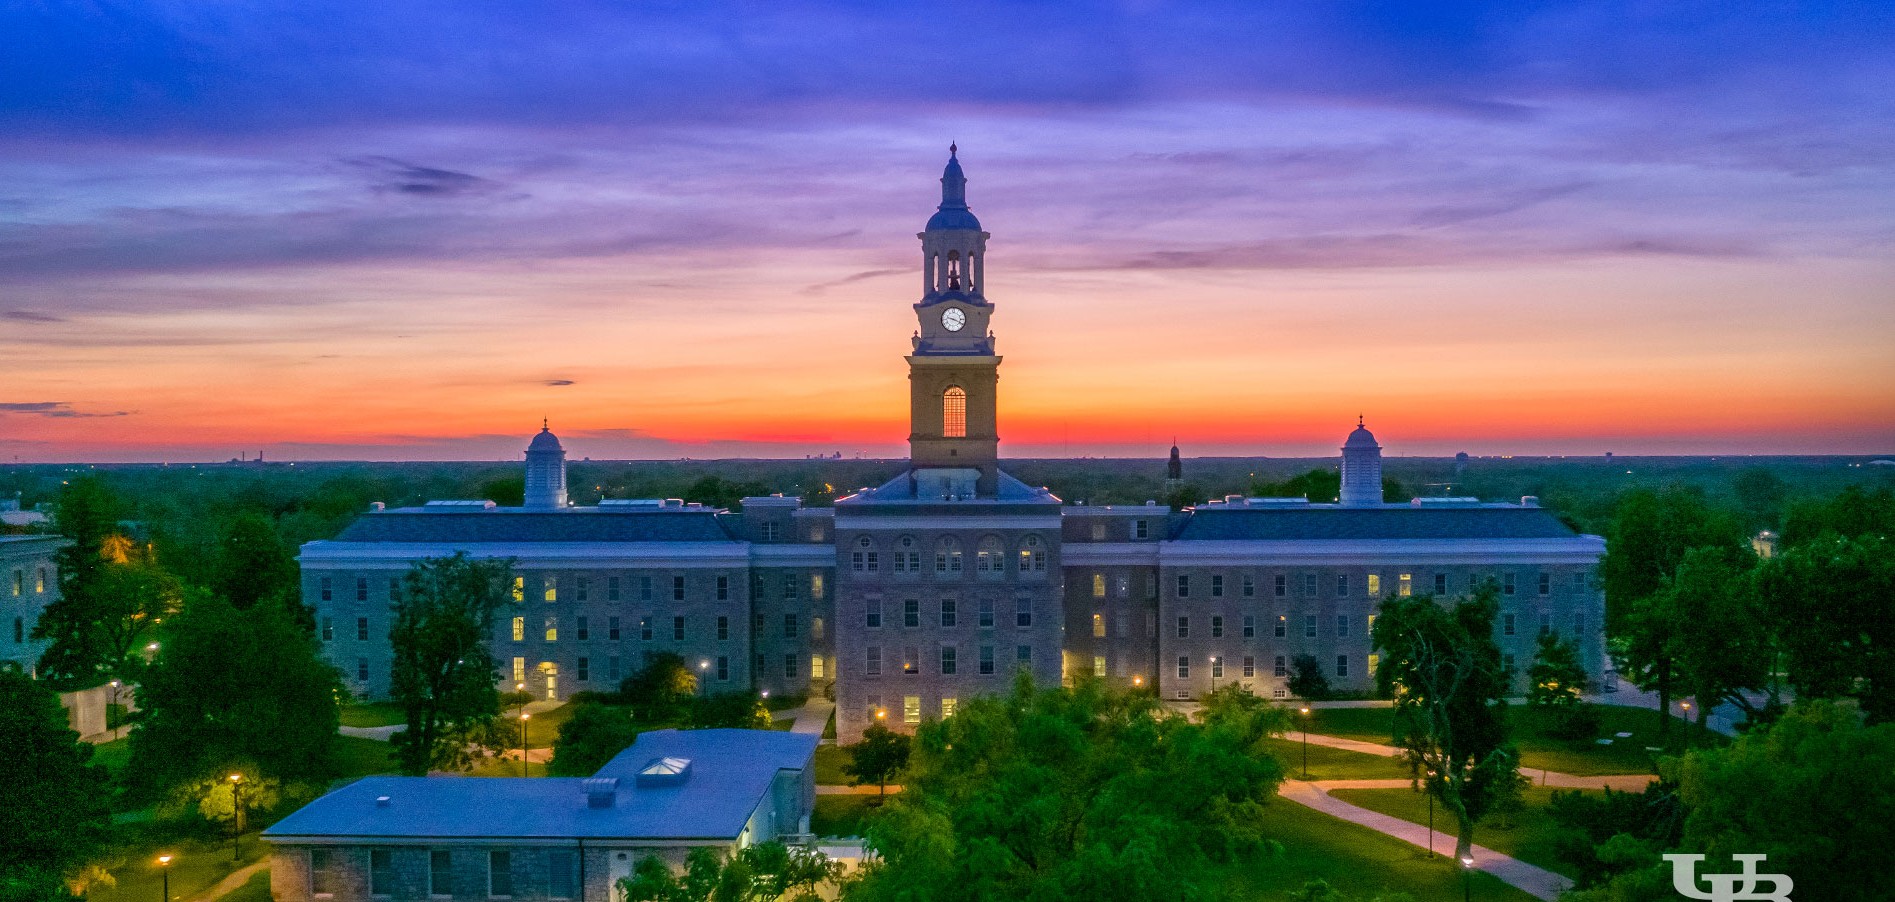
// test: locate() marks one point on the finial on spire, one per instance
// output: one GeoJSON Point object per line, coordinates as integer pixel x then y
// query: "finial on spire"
{"type": "Point", "coordinates": [1358, 419]}
{"type": "Point", "coordinates": [545, 424]}
{"type": "Point", "coordinates": [954, 147]}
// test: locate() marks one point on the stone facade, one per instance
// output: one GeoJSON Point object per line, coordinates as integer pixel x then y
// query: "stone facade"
{"type": "Point", "coordinates": [29, 581]}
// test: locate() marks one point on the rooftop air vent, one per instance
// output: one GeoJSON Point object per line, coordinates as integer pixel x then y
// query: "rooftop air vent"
{"type": "Point", "coordinates": [601, 792]}
{"type": "Point", "coordinates": [381, 801]}
{"type": "Point", "coordinates": [666, 771]}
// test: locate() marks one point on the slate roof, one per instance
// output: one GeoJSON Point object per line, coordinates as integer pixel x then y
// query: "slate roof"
{"type": "Point", "coordinates": [450, 527]}
{"type": "Point", "coordinates": [1385, 522]}
{"type": "Point", "coordinates": [731, 772]}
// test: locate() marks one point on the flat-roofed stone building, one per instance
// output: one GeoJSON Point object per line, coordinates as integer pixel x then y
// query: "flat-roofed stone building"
{"type": "Point", "coordinates": [29, 581]}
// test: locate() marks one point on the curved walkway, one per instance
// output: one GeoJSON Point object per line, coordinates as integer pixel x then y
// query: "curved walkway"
{"type": "Point", "coordinates": [1625, 782]}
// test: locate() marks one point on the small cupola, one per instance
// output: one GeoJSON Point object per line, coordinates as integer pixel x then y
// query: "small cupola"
{"type": "Point", "coordinates": [665, 771]}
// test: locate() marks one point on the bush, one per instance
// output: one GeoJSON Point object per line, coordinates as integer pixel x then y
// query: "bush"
{"type": "Point", "coordinates": [1574, 723]}
{"type": "Point", "coordinates": [590, 738]}
{"type": "Point", "coordinates": [1307, 680]}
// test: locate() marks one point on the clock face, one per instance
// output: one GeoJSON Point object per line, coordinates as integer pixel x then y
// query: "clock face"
{"type": "Point", "coordinates": [953, 319]}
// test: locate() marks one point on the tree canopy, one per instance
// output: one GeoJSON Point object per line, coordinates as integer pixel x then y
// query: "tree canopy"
{"type": "Point", "coordinates": [54, 810]}
{"type": "Point", "coordinates": [765, 872]}
{"type": "Point", "coordinates": [1827, 601]}
{"type": "Point", "coordinates": [443, 674]}
{"type": "Point", "coordinates": [112, 591]}
{"type": "Point", "coordinates": [880, 755]}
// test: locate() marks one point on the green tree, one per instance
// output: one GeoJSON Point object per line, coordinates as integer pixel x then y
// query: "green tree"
{"type": "Point", "coordinates": [880, 755]}
{"type": "Point", "coordinates": [1602, 836]}
{"type": "Point", "coordinates": [1319, 485]}
{"type": "Point", "coordinates": [1853, 513]}
{"type": "Point", "coordinates": [112, 591]}
{"type": "Point", "coordinates": [1555, 683]}
{"type": "Point", "coordinates": [1760, 493]}
{"type": "Point", "coordinates": [766, 872]}
{"type": "Point", "coordinates": [233, 689]}
{"type": "Point", "coordinates": [1444, 670]}
{"type": "Point", "coordinates": [662, 690]}
{"type": "Point", "coordinates": [53, 808]}
{"type": "Point", "coordinates": [1307, 679]}
{"type": "Point", "coordinates": [1721, 639]}
{"type": "Point", "coordinates": [716, 491]}
{"type": "Point", "coordinates": [1080, 793]}
{"type": "Point", "coordinates": [730, 710]}
{"type": "Point", "coordinates": [253, 566]}
{"type": "Point", "coordinates": [443, 674]}
{"type": "Point", "coordinates": [1827, 600]}
{"type": "Point", "coordinates": [590, 738]}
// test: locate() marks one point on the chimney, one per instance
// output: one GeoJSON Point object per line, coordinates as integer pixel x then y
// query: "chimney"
{"type": "Point", "coordinates": [601, 792]}
{"type": "Point", "coordinates": [377, 506]}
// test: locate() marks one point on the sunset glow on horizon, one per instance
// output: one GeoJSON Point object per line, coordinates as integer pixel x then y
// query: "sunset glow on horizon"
{"type": "Point", "coordinates": [694, 235]}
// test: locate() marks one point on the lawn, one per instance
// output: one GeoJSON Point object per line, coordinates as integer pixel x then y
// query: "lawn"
{"type": "Point", "coordinates": [256, 889]}
{"type": "Point", "coordinates": [1353, 859]}
{"type": "Point", "coordinates": [841, 815]}
{"type": "Point", "coordinates": [197, 865]}
{"type": "Point", "coordinates": [1333, 764]}
{"type": "Point", "coordinates": [358, 757]}
{"type": "Point", "coordinates": [1530, 839]}
{"type": "Point", "coordinates": [1625, 755]}
{"type": "Point", "coordinates": [373, 714]}
{"type": "Point", "coordinates": [113, 755]}
{"type": "Point", "coordinates": [829, 762]}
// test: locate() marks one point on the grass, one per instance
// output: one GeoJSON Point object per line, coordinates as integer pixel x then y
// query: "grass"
{"type": "Point", "coordinates": [841, 815]}
{"type": "Point", "coordinates": [1626, 755]}
{"type": "Point", "coordinates": [373, 714]}
{"type": "Point", "coordinates": [1327, 763]}
{"type": "Point", "coordinates": [829, 729]}
{"type": "Point", "coordinates": [114, 755]}
{"type": "Point", "coordinates": [256, 889]}
{"type": "Point", "coordinates": [829, 762]}
{"type": "Point", "coordinates": [197, 866]}
{"type": "Point", "coordinates": [1530, 839]}
{"type": "Point", "coordinates": [1354, 859]}
{"type": "Point", "coordinates": [358, 757]}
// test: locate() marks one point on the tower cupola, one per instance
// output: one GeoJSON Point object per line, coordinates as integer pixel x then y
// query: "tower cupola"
{"type": "Point", "coordinates": [1361, 467]}
{"type": "Point", "coordinates": [545, 471]}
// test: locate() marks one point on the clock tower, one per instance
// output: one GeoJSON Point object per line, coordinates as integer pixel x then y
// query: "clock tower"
{"type": "Point", "coordinates": [953, 371]}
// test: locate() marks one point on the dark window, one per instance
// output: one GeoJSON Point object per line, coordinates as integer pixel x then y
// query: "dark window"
{"type": "Point", "coordinates": [1309, 584]}
{"type": "Point", "coordinates": [361, 588]}
{"type": "Point", "coordinates": [559, 873]}
{"type": "Point", "coordinates": [947, 659]}
{"type": "Point", "coordinates": [1282, 585]}
{"type": "Point", "coordinates": [1023, 613]}
{"type": "Point", "coordinates": [789, 626]}
{"type": "Point", "coordinates": [1217, 585]}
{"type": "Point", "coordinates": [1282, 667]}
{"type": "Point", "coordinates": [677, 588]}
{"type": "Point", "coordinates": [1141, 529]}
{"type": "Point", "coordinates": [612, 669]}
{"type": "Point", "coordinates": [1506, 588]}
{"type": "Point", "coordinates": [789, 666]}
{"type": "Point", "coordinates": [1250, 666]}
{"type": "Point", "coordinates": [361, 629]}
{"type": "Point", "coordinates": [1309, 626]}
{"type": "Point", "coordinates": [361, 670]}
{"type": "Point", "coordinates": [612, 628]}
{"type": "Point", "coordinates": [1250, 586]}
{"type": "Point", "coordinates": [644, 588]}
{"type": "Point", "coordinates": [644, 629]}
{"type": "Point", "coordinates": [986, 612]}
{"type": "Point", "coordinates": [1184, 586]}
{"type": "Point", "coordinates": [1342, 665]}
{"type": "Point", "coordinates": [499, 873]}
{"type": "Point", "coordinates": [1342, 584]}
{"type": "Point", "coordinates": [585, 670]}
{"type": "Point", "coordinates": [723, 667]}
{"type": "Point", "coordinates": [911, 613]}
{"type": "Point", "coordinates": [611, 588]}
{"type": "Point", "coordinates": [723, 628]}
{"type": "Point", "coordinates": [1342, 624]}
{"type": "Point", "coordinates": [1250, 627]}
{"type": "Point", "coordinates": [584, 589]}
{"type": "Point", "coordinates": [1217, 627]}
{"type": "Point", "coordinates": [947, 612]}
{"type": "Point", "coordinates": [1184, 627]}
{"type": "Point", "coordinates": [872, 615]}
{"type": "Point", "coordinates": [1282, 626]}
{"type": "Point", "coordinates": [326, 590]}
{"type": "Point", "coordinates": [1546, 584]}
{"type": "Point", "coordinates": [1023, 654]}
{"type": "Point", "coordinates": [440, 873]}
{"type": "Point", "coordinates": [986, 659]}
{"type": "Point", "coordinates": [1506, 624]}
{"type": "Point", "coordinates": [381, 872]}
{"type": "Point", "coordinates": [677, 628]}
{"type": "Point", "coordinates": [322, 872]}
{"type": "Point", "coordinates": [723, 588]}
{"type": "Point", "coordinates": [328, 629]}
{"type": "Point", "coordinates": [581, 629]}
{"type": "Point", "coordinates": [1440, 584]}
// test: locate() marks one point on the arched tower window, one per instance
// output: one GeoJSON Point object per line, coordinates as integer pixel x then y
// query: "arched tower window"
{"type": "Point", "coordinates": [954, 270]}
{"type": "Point", "coordinates": [947, 555]}
{"type": "Point", "coordinates": [1032, 555]}
{"type": "Point", "coordinates": [990, 557]}
{"type": "Point", "coordinates": [954, 412]}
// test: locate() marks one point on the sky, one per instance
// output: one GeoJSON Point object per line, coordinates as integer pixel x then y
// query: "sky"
{"type": "Point", "coordinates": [400, 231]}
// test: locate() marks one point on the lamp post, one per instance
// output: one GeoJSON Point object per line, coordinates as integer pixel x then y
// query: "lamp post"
{"type": "Point", "coordinates": [703, 673]}
{"type": "Point", "coordinates": [523, 718]}
{"type": "Point", "coordinates": [164, 869]}
{"type": "Point", "coordinates": [1305, 720]}
{"type": "Point", "coordinates": [236, 816]}
{"type": "Point", "coordinates": [1467, 879]}
{"type": "Point", "coordinates": [1429, 789]}
{"type": "Point", "coordinates": [1213, 674]}
{"type": "Point", "coordinates": [111, 711]}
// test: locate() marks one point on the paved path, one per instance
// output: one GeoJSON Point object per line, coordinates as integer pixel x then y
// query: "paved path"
{"type": "Point", "coordinates": [230, 883]}
{"type": "Point", "coordinates": [1535, 881]}
{"type": "Point", "coordinates": [1627, 782]}
{"type": "Point", "coordinates": [382, 734]}
{"type": "Point", "coordinates": [813, 717]}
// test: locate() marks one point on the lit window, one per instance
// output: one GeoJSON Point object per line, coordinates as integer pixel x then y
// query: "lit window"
{"type": "Point", "coordinates": [1374, 662]}
{"type": "Point", "coordinates": [1032, 555]}
{"type": "Point", "coordinates": [816, 667]}
{"type": "Point", "coordinates": [947, 707]}
{"type": "Point", "coordinates": [551, 588]}
{"type": "Point", "coordinates": [1098, 626]}
{"type": "Point", "coordinates": [911, 709]}
{"type": "Point", "coordinates": [989, 558]}
{"type": "Point", "coordinates": [552, 629]}
{"type": "Point", "coordinates": [1098, 585]}
{"type": "Point", "coordinates": [953, 419]}
{"type": "Point", "coordinates": [911, 660]}
{"type": "Point", "coordinates": [1098, 665]}
{"type": "Point", "coordinates": [1375, 584]}
{"type": "Point", "coordinates": [519, 670]}
{"type": "Point", "coordinates": [1407, 587]}
{"type": "Point", "coordinates": [815, 586]}
{"type": "Point", "coordinates": [519, 588]}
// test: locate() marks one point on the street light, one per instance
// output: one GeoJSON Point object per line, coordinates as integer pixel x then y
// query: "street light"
{"type": "Point", "coordinates": [1213, 673]}
{"type": "Point", "coordinates": [164, 868]}
{"type": "Point", "coordinates": [111, 712]}
{"type": "Point", "coordinates": [236, 816]}
{"type": "Point", "coordinates": [1467, 879]}
{"type": "Point", "coordinates": [523, 719]}
{"type": "Point", "coordinates": [1305, 720]}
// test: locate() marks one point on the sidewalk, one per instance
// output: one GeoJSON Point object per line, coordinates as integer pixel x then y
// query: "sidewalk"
{"type": "Point", "coordinates": [1625, 782]}
{"type": "Point", "coordinates": [812, 718]}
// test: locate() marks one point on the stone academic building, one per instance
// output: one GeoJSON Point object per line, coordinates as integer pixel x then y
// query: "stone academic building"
{"type": "Point", "coordinates": [946, 580]}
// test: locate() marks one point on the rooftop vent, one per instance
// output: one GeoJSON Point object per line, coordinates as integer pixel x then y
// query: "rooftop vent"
{"type": "Point", "coordinates": [1279, 502]}
{"type": "Point", "coordinates": [381, 801]}
{"type": "Point", "coordinates": [460, 505]}
{"type": "Point", "coordinates": [1529, 501]}
{"type": "Point", "coordinates": [377, 506]}
{"type": "Point", "coordinates": [666, 771]}
{"type": "Point", "coordinates": [601, 792]}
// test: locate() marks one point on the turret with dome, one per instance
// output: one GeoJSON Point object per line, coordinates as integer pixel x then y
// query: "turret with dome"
{"type": "Point", "coordinates": [1361, 467]}
{"type": "Point", "coordinates": [545, 471]}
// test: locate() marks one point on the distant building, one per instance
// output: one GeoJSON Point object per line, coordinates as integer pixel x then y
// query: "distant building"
{"type": "Point", "coordinates": [29, 581]}
{"type": "Point", "coordinates": [908, 598]}
{"type": "Point", "coordinates": [482, 838]}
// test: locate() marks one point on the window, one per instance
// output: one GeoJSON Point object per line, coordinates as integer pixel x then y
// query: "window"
{"type": "Point", "coordinates": [440, 872]}
{"type": "Point", "coordinates": [322, 587]}
{"type": "Point", "coordinates": [1375, 661]}
{"type": "Point", "coordinates": [1546, 583]}
{"type": "Point", "coordinates": [723, 628]}
{"type": "Point", "coordinates": [1123, 585]}
{"type": "Point", "coordinates": [1440, 584]}
{"type": "Point", "coordinates": [947, 555]}
{"type": "Point", "coordinates": [361, 588]}
{"type": "Point", "coordinates": [394, 588]}
{"type": "Point", "coordinates": [19, 630]}
{"type": "Point", "coordinates": [1217, 668]}
{"type": "Point", "coordinates": [789, 586]}
{"type": "Point", "coordinates": [1309, 584]}
{"type": "Point", "coordinates": [1342, 665]}
{"type": "Point", "coordinates": [1375, 585]}
{"type": "Point", "coordinates": [1282, 626]}
{"type": "Point", "coordinates": [723, 588]}
{"type": "Point", "coordinates": [1217, 585]}
{"type": "Point", "coordinates": [872, 662]}
{"type": "Point", "coordinates": [911, 613]}
{"type": "Point", "coordinates": [499, 873]}
{"type": "Point", "coordinates": [322, 872]}
{"type": "Point", "coordinates": [986, 659]}
{"type": "Point", "coordinates": [790, 626]}
{"type": "Point", "coordinates": [582, 589]}
{"type": "Point", "coordinates": [559, 873]}
{"type": "Point", "coordinates": [1546, 624]}
{"type": "Point", "coordinates": [1098, 626]}
{"type": "Point", "coordinates": [550, 590]}
{"type": "Point", "coordinates": [361, 629]}
{"type": "Point", "coordinates": [1579, 580]}
{"type": "Point", "coordinates": [1370, 629]}
{"type": "Point", "coordinates": [552, 629]}
{"type": "Point", "coordinates": [1023, 612]}
{"type": "Point", "coordinates": [1098, 532]}
{"type": "Point", "coordinates": [1282, 585]}
{"type": "Point", "coordinates": [1342, 625]}
{"type": "Point", "coordinates": [911, 660]}
{"type": "Point", "coordinates": [911, 709]}
{"type": "Point", "coordinates": [1217, 627]}
{"type": "Point", "coordinates": [519, 629]}
{"type": "Point", "coordinates": [1279, 692]}
{"type": "Point", "coordinates": [328, 629]}
{"type": "Point", "coordinates": [1506, 588]}
{"type": "Point", "coordinates": [585, 669]}
{"type": "Point", "coordinates": [986, 613]}
{"type": "Point", "coordinates": [989, 557]}
{"type": "Point", "coordinates": [947, 706]}
{"type": "Point", "coordinates": [953, 415]}
{"type": "Point", "coordinates": [1184, 627]}
{"type": "Point", "coordinates": [519, 588]}
{"type": "Point", "coordinates": [644, 629]}
{"type": "Point", "coordinates": [1506, 664]}
{"type": "Point", "coordinates": [580, 630]}
{"type": "Point", "coordinates": [1579, 626]}
{"type": "Point", "coordinates": [1309, 626]}
{"type": "Point", "coordinates": [1250, 666]}
{"type": "Point", "coordinates": [816, 668]}
{"type": "Point", "coordinates": [612, 669]}
{"type": "Point", "coordinates": [1184, 667]}
{"type": "Point", "coordinates": [1141, 529]}
{"type": "Point", "coordinates": [612, 588]}
{"type": "Point", "coordinates": [519, 670]}
{"type": "Point", "coordinates": [815, 586]}
{"type": "Point", "coordinates": [947, 612]}
{"type": "Point", "coordinates": [1282, 668]}
{"type": "Point", "coordinates": [768, 532]}
{"type": "Point", "coordinates": [644, 588]}
{"type": "Point", "coordinates": [677, 588]}
{"type": "Point", "coordinates": [1406, 587]}
{"type": "Point", "coordinates": [612, 628]}
{"type": "Point", "coordinates": [723, 668]}
{"type": "Point", "coordinates": [1249, 586]}
{"type": "Point", "coordinates": [1098, 585]}
{"type": "Point", "coordinates": [789, 665]}
{"type": "Point", "coordinates": [677, 628]}
{"type": "Point", "coordinates": [947, 660]}
{"type": "Point", "coordinates": [1506, 624]}
{"type": "Point", "coordinates": [1098, 665]}
{"type": "Point", "coordinates": [361, 670]}
{"type": "Point", "coordinates": [1342, 584]}
{"type": "Point", "coordinates": [1023, 654]}
{"type": "Point", "coordinates": [1184, 585]}
{"type": "Point", "coordinates": [872, 614]}
{"type": "Point", "coordinates": [1250, 626]}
